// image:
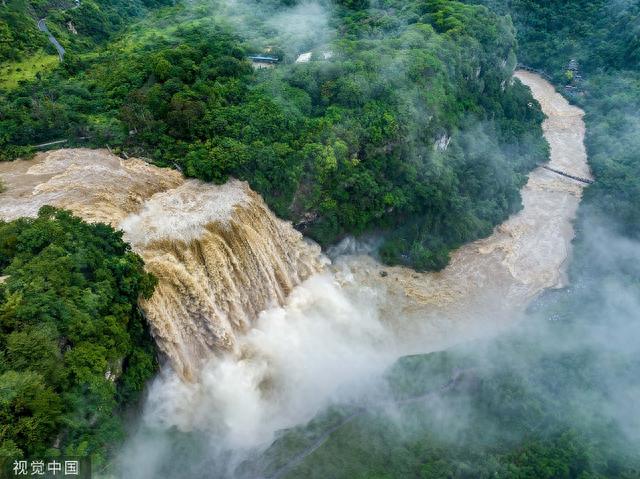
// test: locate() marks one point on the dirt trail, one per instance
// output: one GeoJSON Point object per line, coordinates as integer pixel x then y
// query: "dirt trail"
{"type": "Point", "coordinates": [489, 281]}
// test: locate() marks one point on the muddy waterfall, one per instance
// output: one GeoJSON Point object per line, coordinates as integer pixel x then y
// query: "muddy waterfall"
{"type": "Point", "coordinates": [250, 314]}
{"type": "Point", "coordinates": [219, 254]}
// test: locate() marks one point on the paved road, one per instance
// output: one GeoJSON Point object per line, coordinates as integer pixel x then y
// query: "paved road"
{"type": "Point", "coordinates": [42, 26]}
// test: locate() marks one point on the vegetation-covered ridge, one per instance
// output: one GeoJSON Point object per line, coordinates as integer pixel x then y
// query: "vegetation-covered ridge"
{"type": "Point", "coordinates": [77, 24]}
{"type": "Point", "coordinates": [466, 413]}
{"type": "Point", "coordinates": [601, 38]}
{"type": "Point", "coordinates": [411, 127]}
{"type": "Point", "coordinates": [74, 350]}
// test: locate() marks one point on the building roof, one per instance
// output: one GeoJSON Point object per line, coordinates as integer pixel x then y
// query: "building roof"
{"type": "Point", "coordinates": [263, 58]}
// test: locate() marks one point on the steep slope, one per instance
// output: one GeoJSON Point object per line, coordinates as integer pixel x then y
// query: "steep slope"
{"type": "Point", "coordinates": [433, 414]}
{"type": "Point", "coordinates": [410, 128]}
{"type": "Point", "coordinates": [526, 254]}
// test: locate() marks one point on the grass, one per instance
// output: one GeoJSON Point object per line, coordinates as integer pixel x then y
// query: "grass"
{"type": "Point", "coordinates": [13, 72]}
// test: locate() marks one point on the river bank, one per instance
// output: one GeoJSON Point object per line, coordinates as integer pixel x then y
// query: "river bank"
{"type": "Point", "coordinates": [491, 281]}
{"type": "Point", "coordinates": [334, 333]}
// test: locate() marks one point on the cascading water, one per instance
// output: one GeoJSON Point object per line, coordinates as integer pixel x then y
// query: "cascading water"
{"type": "Point", "coordinates": [343, 328]}
{"type": "Point", "coordinates": [220, 257]}
{"type": "Point", "coordinates": [219, 254]}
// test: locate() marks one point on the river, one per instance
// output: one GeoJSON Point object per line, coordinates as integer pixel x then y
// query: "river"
{"type": "Point", "coordinates": [494, 278]}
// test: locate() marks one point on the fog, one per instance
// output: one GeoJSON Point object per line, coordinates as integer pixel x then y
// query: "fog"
{"type": "Point", "coordinates": [329, 345]}
{"type": "Point", "coordinates": [294, 29]}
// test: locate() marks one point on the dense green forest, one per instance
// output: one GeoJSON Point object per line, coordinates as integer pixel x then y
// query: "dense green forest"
{"type": "Point", "coordinates": [540, 415]}
{"type": "Point", "coordinates": [411, 127]}
{"type": "Point", "coordinates": [602, 38]}
{"type": "Point", "coordinates": [553, 398]}
{"type": "Point", "coordinates": [74, 350]}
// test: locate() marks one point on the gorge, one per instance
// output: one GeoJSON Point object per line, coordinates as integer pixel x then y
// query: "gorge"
{"type": "Point", "coordinates": [260, 331]}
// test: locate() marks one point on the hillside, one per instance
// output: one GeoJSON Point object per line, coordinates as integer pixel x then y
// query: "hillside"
{"type": "Point", "coordinates": [79, 25]}
{"type": "Point", "coordinates": [411, 127]}
{"type": "Point", "coordinates": [75, 350]}
{"type": "Point", "coordinates": [397, 122]}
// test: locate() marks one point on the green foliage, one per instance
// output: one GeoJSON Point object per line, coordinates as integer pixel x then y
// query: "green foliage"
{"type": "Point", "coordinates": [545, 401]}
{"type": "Point", "coordinates": [12, 73]}
{"type": "Point", "coordinates": [538, 414]}
{"type": "Point", "coordinates": [601, 38]}
{"type": "Point", "coordinates": [73, 347]}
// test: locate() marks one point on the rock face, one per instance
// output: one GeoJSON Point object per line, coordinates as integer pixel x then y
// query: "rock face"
{"type": "Point", "coordinates": [218, 252]}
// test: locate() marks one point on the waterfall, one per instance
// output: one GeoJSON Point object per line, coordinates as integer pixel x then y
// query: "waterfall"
{"type": "Point", "coordinates": [225, 265]}
{"type": "Point", "coordinates": [218, 252]}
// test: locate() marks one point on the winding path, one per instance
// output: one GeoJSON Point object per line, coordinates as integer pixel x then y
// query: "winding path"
{"type": "Point", "coordinates": [42, 26]}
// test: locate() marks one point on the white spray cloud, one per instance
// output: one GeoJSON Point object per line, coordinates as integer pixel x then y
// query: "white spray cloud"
{"type": "Point", "coordinates": [327, 344]}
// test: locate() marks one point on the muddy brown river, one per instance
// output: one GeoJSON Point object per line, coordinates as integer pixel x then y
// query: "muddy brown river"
{"type": "Point", "coordinates": [489, 282]}
{"type": "Point", "coordinates": [486, 285]}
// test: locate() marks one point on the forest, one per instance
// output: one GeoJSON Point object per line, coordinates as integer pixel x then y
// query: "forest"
{"type": "Point", "coordinates": [74, 350]}
{"type": "Point", "coordinates": [412, 129]}
{"type": "Point", "coordinates": [78, 24]}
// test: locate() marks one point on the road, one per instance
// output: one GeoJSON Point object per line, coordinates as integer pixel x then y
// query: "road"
{"type": "Point", "coordinates": [42, 26]}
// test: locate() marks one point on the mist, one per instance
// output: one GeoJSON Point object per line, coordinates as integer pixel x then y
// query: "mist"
{"type": "Point", "coordinates": [329, 347]}
{"type": "Point", "coordinates": [326, 345]}
{"type": "Point", "coordinates": [567, 370]}
{"type": "Point", "coordinates": [294, 29]}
